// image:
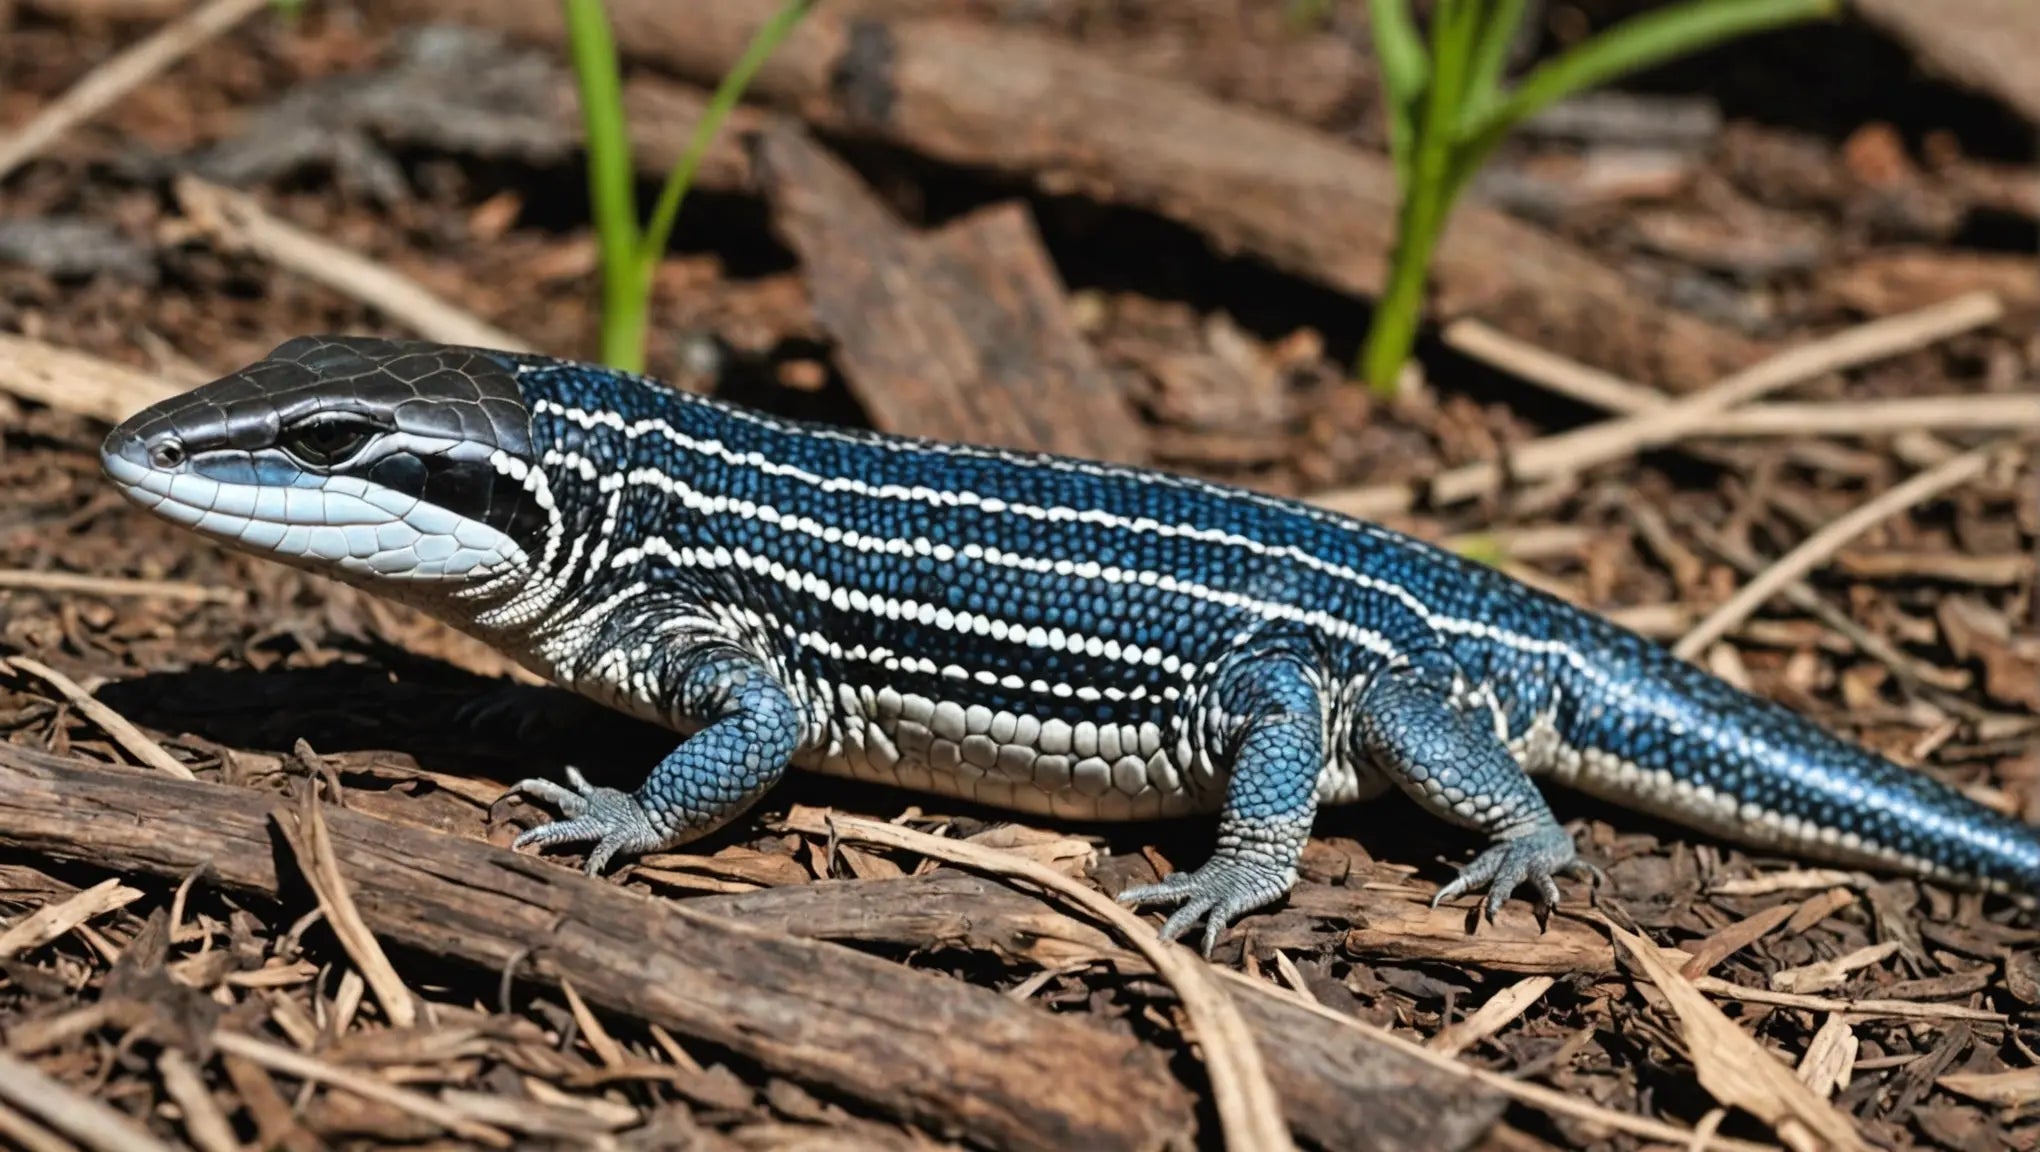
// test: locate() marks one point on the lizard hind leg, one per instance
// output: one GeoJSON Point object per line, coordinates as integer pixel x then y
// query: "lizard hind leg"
{"type": "Point", "coordinates": [1270, 801]}
{"type": "Point", "coordinates": [1450, 760]}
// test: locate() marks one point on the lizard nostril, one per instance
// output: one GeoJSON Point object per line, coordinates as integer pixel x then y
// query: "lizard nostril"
{"type": "Point", "coordinates": [166, 454]}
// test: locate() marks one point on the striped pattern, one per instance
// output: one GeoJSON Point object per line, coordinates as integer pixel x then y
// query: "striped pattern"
{"type": "Point", "coordinates": [1036, 633]}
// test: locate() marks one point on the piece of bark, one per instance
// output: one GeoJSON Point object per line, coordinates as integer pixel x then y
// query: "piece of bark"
{"type": "Point", "coordinates": [1988, 45]}
{"type": "Point", "coordinates": [1071, 120]}
{"type": "Point", "coordinates": [1337, 1089]}
{"type": "Point", "coordinates": [958, 1059]}
{"type": "Point", "coordinates": [962, 334]}
{"type": "Point", "coordinates": [1388, 926]}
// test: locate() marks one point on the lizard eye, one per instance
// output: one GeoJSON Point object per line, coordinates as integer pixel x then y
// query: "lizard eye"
{"type": "Point", "coordinates": [326, 443]}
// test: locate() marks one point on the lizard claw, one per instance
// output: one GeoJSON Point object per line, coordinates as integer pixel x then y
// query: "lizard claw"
{"type": "Point", "coordinates": [613, 819]}
{"type": "Point", "coordinates": [1217, 893]}
{"type": "Point", "coordinates": [1536, 858]}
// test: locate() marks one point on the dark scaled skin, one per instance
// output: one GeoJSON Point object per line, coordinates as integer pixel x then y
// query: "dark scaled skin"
{"type": "Point", "coordinates": [1068, 639]}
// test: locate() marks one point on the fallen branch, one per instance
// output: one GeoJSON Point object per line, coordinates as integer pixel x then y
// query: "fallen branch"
{"type": "Point", "coordinates": [925, 1048]}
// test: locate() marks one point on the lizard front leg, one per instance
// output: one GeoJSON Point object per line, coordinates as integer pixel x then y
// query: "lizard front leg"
{"type": "Point", "coordinates": [1270, 801]}
{"type": "Point", "coordinates": [1451, 762]}
{"type": "Point", "coordinates": [750, 727]}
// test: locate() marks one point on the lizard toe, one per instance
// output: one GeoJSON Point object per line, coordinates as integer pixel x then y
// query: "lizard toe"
{"type": "Point", "coordinates": [1225, 888]}
{"type": "Point", "coordinates": [1534, 859]}
{"type": "Point", "coordinates": [613, 820]}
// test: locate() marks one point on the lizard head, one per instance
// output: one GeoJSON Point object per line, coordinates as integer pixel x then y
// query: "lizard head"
{"type": "Point", "coordinates": [396, 465]}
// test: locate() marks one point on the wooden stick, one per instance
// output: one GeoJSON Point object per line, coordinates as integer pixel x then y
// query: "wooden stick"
{"type": "Point", "coordinates": [76, 382]}
{"type": "Point", "coordinates": [77, 583]}
{"type": "Point", "coordinates": [1560, 374]}
{"type": "Point", "coordinates": [2003, 413]}
{"type": "Point", "coordinates": [1570, 452]}
{"type": "Point", "coordinates": [139, 744]}
{"type": "Point", "coordinates": [121, 75]}
{"type": "Point", "coordinates": [1824, 543]}
{"type": "Point", "coordinates": [236, 221]}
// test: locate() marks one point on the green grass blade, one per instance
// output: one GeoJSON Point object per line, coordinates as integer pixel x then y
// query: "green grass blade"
{"type": "Point", "coordinates": [1491, 55]}
{"type": "Point", "coordinates": [1405, 71]}
{"type": "Point", "coordinates": [731, 90]}
{"type": "Point", "coordinates": [1635, 44]}
{"type": "Point", "coordinates": [612, 191]}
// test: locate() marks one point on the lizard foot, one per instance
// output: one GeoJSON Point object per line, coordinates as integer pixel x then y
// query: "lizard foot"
{"type": "Point", "coordinates": [613, 819]}
{"type": "Point", "coordinates": [1535, 858]}
{"type": "Point", "coordinates": [1224, 888]}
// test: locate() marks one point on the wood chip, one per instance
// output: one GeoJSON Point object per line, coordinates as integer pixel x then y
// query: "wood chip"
{"type": "Point", "coordinates": [52, 921]}
{"type": "Point", "coordinates": [1732, 939]}
{"type": "Point", "coordinates": [1831, 973]}
{"type": "Point", "coordinates": [1829, 1056]}
{"type": "Point", "coordinates": [962, 335]}
{"type": "Point", "coordinates": [1501, 1009]}
{"type": "Point", "coordinates": [2008, 1089]}
{"type": "Point", "coordinates": [1738, 1071]}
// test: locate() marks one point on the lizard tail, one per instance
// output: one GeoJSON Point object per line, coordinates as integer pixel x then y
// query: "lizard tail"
{"type": "Point", "coordinates": [1673, 741]}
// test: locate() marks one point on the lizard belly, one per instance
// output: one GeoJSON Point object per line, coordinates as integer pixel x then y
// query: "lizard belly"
{"type": "Point", "coordinates": [1011, 757]}
{"type": "Point", "coordinates": [1077, 769]}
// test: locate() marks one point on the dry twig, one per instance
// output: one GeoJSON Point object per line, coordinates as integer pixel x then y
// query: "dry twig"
{"type": "Point", "coordinates": [1567, 453]}
{"type": "Point", "coordinates": [308, 1067]}
{"type": "Point", "coordinates": [121, 75]}
{"type": "Point", "coordinates": [53, 920]}
{"type": "Point", "coordinates": [79, 584]}
{"type": "Point", "coordinates": [75, 382]}
{"type": "Point", "coordinates": [236, 222]}
{"type": "Point", "coordinates": [138, 744]}
{"type": "Point", "coordinates": [1493, 1016]}
{"type": "Point", "coordinates": [313, 847]}
{"type": "Point", "coordinates": [1824, 543]}
{"type": "Point", "coordinates": [69, 1111]}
